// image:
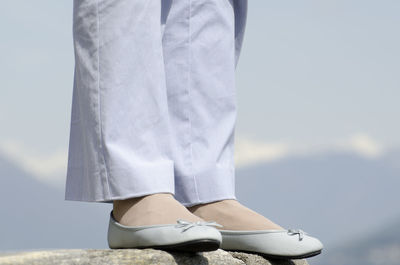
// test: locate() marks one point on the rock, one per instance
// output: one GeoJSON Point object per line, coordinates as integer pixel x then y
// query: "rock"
{"type": "Point", "coordinates": [137, 257]}
{"type": "Point", "coordinates": [252, 259]}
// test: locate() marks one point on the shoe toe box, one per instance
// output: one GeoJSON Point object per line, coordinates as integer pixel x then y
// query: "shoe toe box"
{"type": "Point", "coordinates": [276, 243]}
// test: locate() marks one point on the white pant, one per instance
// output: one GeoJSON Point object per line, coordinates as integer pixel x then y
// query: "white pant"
{"type": "Point", "coordinates": [154, 100]}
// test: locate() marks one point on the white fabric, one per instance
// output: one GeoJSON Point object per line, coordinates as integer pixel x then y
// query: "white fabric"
{"type": "Point", "coordinates": [154, 100]}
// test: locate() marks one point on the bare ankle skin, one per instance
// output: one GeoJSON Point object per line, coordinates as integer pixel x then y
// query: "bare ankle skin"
{"type": "Point", "coordinates": [233, 216]}
{"type": "Point", "coordinates": [153, 209]}
{"type": "Point", "coordinates": [121, 207]}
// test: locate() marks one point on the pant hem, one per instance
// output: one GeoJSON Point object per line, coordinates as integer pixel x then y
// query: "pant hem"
{"type": "Point", "coordinates": [127, 182]}
{"type": "Point", "coordinates": [212, 184]}
{"type": "Point", "coordinates": [123, 197]}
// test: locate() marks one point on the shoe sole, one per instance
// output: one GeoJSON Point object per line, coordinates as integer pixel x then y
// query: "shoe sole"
{"type": "Point", "coordinates": [267, 256]}
{"type": "Point", "coordinates": [201, 245]}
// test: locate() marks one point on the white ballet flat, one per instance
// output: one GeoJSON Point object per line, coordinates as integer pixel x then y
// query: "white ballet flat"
{"type": "Point", "coordinates": [183, 236]}
{"type": "Point", "coordinates": [286, 244]}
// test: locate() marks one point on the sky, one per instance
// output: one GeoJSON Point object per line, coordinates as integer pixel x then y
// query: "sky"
{"type": "Point", "coordinates": [312, 76]}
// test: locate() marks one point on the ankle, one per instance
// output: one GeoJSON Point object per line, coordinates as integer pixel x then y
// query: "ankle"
{"type": "Point", "coordinates": [121, 207]}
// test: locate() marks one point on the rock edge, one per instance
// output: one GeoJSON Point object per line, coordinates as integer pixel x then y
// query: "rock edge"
{"type": "Point", "coordinates": [137, 256]}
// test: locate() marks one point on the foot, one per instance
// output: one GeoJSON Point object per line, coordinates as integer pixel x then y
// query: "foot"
{"type": "Point", "coordinates": [154, 209]}
{"type": "Point", "coordinates": [233, 216]}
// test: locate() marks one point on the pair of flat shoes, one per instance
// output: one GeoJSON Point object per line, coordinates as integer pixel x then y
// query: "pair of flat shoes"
{"type": "Point", "coordinates": [203, 236]}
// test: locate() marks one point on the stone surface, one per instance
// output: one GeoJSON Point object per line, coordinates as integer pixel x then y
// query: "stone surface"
{"type": "Point", "coordinates": [252, 259]}
{"type": "Point", "coordinates": [136, 256]}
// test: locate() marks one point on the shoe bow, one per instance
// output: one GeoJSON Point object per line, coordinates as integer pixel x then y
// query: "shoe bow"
{"type": "Point", "coordinates": [187, 225]}
{"type": "Point", "coordinates": [299, 232]}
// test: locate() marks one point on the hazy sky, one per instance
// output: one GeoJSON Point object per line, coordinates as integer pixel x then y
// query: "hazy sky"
{"type": "Point", "coordinates": [310, 73]}
{"type": "Point", "coordinates": [321, 70]}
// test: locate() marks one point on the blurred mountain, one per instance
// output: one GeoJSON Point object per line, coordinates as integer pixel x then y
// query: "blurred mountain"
{"type": "Point", "coordinates": [35, 216]}
{"type": "Point", "coordinates": [335, 196]}
{"type": "Point", "coordinates": [380, 247]}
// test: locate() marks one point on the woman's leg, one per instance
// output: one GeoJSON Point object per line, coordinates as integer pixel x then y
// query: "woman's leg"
{"type": "Point", "coordinates": [120, 139]}
{"type": "Point", "coordinates": [120, 131]}
{"type": "Point", "coordinates": [199, 54]}
{"type": "Point", "coordinates": [202, 43]}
